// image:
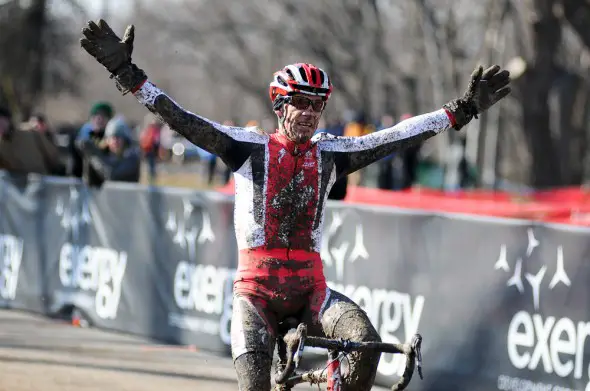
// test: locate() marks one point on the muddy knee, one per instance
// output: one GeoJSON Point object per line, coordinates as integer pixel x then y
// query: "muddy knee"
{"type": "Point", "coordinates": [348, 321]}
{"type": "Point", "coordinates": [252, 345]}
{"type": "Point", "coordinates": [250, 330]}
{"type": "Point", "coordinates": [253, 371]}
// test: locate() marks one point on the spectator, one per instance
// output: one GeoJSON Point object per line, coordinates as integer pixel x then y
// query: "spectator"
{"type": "Point", "coordinates": [64, 136]}
{"type": "Point", "coordinates": [210, 162]}
{"type": "Point", "coordinates": [410, 157]}
{"type": "Point", "coordinates": [149, 142]}
{"type": "Point", "coordinates": [38, 123]}
{"type": "Point", "coordinates": [27, 152]}
{"type": "Point", "coordinates": [385, 177]}
{"type": "Point", "coordinates": [115, 158]}
{"type": "Point", "coordinates": [356, 128]}
{"type": "Point", "coordinates": [253, 122]}
{"type": "Point", "coordinates": [100, 114]}
{"type": "Point", "coordinates": [6, 129]}
{"type": "Point", "coordinates": [466, 176]}
{"type": "Point", "coordinates": [6, 126]}
{"type": "Point", "coordinates": [333, 126]}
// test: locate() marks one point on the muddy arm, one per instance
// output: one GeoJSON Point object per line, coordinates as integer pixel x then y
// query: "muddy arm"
{"type": "Point", "coordinates": [354, 153]}
{"type": "Point", "coordinates": [232, 144]}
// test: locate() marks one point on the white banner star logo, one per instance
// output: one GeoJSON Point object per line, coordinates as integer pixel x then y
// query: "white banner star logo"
{"type": "Point", "coordinates": [534, 280]}
{"type": "Point", "coordinates": [187, 235]}
{"type": "Point", "coordinates": [337, 255]}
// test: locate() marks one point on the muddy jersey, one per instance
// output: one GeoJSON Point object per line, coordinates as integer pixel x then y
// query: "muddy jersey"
{"type": "Point", "coordinates": [281, 189]}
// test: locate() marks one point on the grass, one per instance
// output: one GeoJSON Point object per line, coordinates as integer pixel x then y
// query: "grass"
{"type": "Point", "coordinates": [191, 177]}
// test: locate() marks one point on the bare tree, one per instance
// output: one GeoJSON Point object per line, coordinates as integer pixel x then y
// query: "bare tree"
{"type": "Point", "coordinates": [392, 57]}
{"type": "Point", "coordinates": [553, 94]}
{"type": "Point", "coordinates": [36, 59]}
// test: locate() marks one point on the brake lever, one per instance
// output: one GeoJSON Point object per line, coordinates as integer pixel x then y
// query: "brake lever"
{"type": "Point", "coordinates": [302, 334]}
{"type": "Point", "coordinates": [417, 348]}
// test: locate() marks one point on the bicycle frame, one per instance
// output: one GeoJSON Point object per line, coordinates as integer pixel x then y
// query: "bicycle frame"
{"type": "Point", "coordinates": [291, 348]}
{"type": "Point", "coordinates": [334, 375]}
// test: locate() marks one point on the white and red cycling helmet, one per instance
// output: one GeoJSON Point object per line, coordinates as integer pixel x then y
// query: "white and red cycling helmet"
{"type": "Point", "coordinates": [299, 78]}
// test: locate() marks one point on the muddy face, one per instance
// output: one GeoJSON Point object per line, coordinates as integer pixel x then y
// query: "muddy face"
{"type": "Point", "coordinates": [301, 117]}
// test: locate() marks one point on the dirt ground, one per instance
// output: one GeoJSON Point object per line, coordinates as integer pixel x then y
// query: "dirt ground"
{"type": "Point", "coordinates": [42, 354]}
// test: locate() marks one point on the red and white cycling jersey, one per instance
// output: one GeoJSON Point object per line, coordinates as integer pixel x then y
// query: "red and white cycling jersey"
{"type": "Point", "coordinates": [281, 189]}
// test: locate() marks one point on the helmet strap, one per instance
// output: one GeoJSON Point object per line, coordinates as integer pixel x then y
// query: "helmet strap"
{"type": "Point", "coordinates": [281, 116]}
{"type": "Point", "coordinates": [279, 108]}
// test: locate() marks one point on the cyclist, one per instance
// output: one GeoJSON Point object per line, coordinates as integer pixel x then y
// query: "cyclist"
{"type": "Point", "coordinates": [282, 181]}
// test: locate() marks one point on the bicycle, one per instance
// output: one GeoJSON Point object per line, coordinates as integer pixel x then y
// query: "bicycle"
{"type": "Point", "coordinates": [290, 346]}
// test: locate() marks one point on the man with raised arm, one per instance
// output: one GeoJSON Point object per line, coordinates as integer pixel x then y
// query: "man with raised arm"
{"type": "Point", "coordinates": [282, 181]}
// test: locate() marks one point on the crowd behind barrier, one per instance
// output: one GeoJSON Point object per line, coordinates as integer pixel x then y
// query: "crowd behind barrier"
{"type": "Point", "coordinates": [87, 150]}
{"type": "Point", "coordinates": [501, 303]}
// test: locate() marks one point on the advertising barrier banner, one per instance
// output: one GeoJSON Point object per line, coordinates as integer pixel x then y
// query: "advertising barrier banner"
{"type": "Point", "coordinates": [501, 304]}
{"type": "Point", "coordinates": [21, 259]}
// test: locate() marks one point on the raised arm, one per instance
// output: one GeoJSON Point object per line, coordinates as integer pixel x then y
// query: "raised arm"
{"type": "Point", "coordinates": [354, 153]}
{"type": "Point", "coordinates": [232, 144]}
{"type": "Point", "coordinates": [484, 90]}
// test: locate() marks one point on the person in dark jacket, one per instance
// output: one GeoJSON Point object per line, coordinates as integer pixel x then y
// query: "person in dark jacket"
{"type": "Point", "coordinates": [6, 125]}
{"type": "Point", "coordinates": [100, 114]}
{"type": "Point", "coordinates": [114, 158]}
{"type": "Point", "coordinates": [411, 159]}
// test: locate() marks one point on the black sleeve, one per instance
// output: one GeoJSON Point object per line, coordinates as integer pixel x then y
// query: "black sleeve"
{"type": "Point", "coordinates": [232, 144]}
{"type": "Point", "coordinates": [353, 153]}
{"type": "Point", "coordinates": [125, 168]}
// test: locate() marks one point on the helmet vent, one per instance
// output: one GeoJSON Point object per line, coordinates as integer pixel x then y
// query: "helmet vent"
{"type": "Point", "coordinates": [303, 75]}
{"type": "Point", "coordinates": [314, 76]}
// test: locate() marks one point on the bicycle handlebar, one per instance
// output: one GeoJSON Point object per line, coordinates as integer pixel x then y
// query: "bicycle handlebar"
{"type": "Point", "coordinates": [295, 341]}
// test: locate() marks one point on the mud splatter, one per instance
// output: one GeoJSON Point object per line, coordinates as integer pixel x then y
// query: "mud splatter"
{"type": "Point", "coordinates": [253, 370]}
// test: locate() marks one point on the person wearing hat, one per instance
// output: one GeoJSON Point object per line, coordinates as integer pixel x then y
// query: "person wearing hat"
{"type": "Point", "coordinates": [114, 158]}
{"type": "Point", "coordinates": [100, 113]}
{"type": "Point", "coordinates": [149, 142]}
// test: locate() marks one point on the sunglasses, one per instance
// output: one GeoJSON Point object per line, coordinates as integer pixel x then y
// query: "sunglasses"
{"type": "Point", "coordinates": [302, 103]}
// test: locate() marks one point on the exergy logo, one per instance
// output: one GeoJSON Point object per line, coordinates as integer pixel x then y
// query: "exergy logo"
{"type": "Point", "coordinates": [198, 287]}
{"type": "Point", "coordinates": [98, 270]}
{"type": "Point", "coordinates": [11, 255]}
{"type": "Point", "coordinates": [535, 341]}
{"type": "Point", "coordinates": [389, 311]}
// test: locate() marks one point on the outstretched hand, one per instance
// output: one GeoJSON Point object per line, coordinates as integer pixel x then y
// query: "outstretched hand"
{"type": "Point", "coordinates": [485, 89]}
{"type": "Point", "coordinates": [101, 42]}
{"type": "Point", "coordinates": [488, 87]}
